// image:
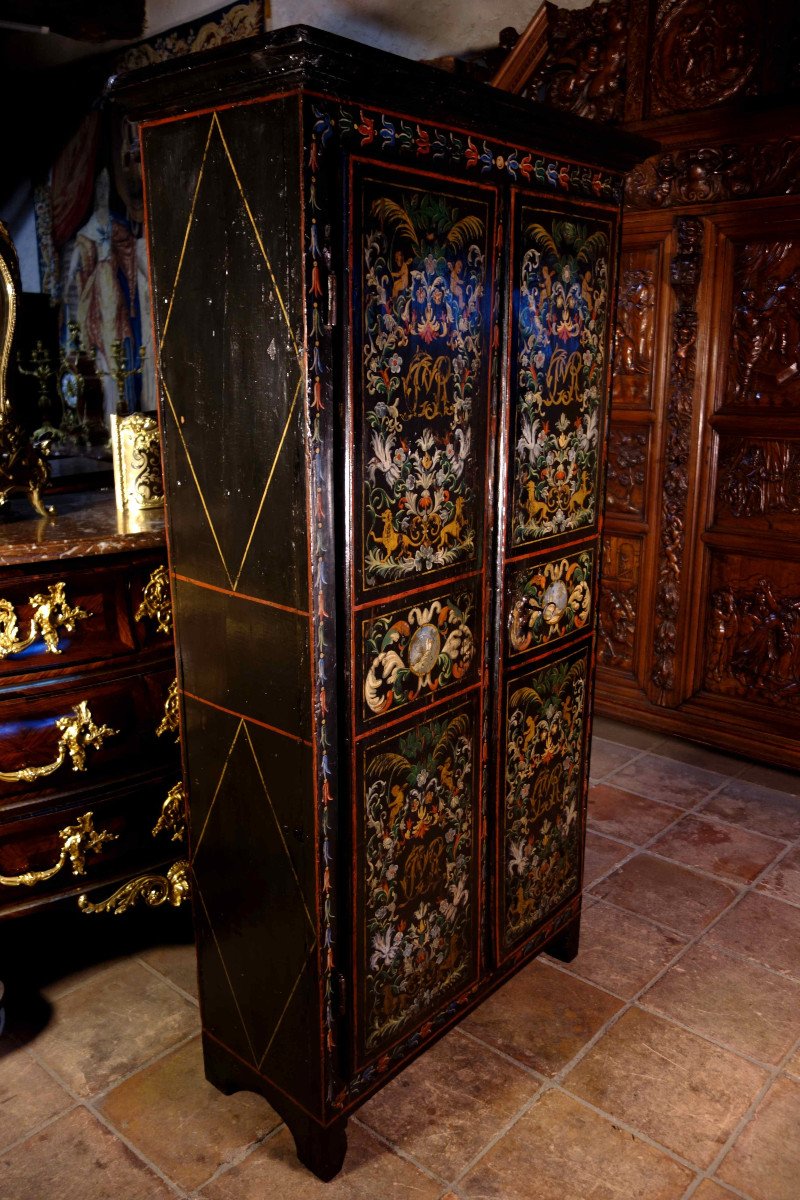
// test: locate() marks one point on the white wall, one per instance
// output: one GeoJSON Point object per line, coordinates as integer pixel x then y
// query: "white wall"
{"type": "Point", "coordinates": [414, 28]}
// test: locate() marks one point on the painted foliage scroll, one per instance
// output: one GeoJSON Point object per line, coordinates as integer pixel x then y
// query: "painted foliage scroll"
{"type": "Point", "coordinates": [561, 322]}
{"type": "Point", "coordinates": [424, 367]}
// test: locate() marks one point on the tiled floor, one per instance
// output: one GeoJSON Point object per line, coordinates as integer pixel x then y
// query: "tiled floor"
{"type": "Point", "coordinates": [663, 1063]}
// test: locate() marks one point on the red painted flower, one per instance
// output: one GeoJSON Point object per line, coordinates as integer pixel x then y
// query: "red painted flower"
{"type": "Point", "coordinates": [367, 129]}
{"type": "Point", "coordinates": [472, 154]}
{"type": "Point", "coordinates": [423, 141]}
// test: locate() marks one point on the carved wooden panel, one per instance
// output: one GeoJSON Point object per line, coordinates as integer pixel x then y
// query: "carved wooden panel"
{"type": "Point", "coordinates": [636, 325]}
{"type": "Point", "coordinates": [702, 53]}
{"type": "Point", "coordinates": [758, 481]}
{"type": "Point", "coordinates": [627, 470]}
{"type": "Point", "coordinates": [685, 271]}
{"type": "Point", "coordinates": [584, 71]}
{"type": "Point", "coordinates": [752, 631]}
{"type": "Point", "coordinates": [619, 602]}
{"type": "Point", "coordinates": [712, 170]}
{"type": "Point", "coordinates": [764, 359]}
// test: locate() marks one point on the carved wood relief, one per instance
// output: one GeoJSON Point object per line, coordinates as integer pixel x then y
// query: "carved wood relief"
{"type": "Point", "coordinates": [758, 479]}
{"type": "Point", "coordinates": [752, 634]}
{"type": "Point", "coordinates": [765, 325]}
{"type": "Point", "coordinates": [584, 71]}
{"type": "Point", "coordinates": [704, 173]}
{"type": "Point", "coordinates": [685, 279]}
{"type": "Point", "coordinates": [619, 602]}
{"type": "Point", "coordinates": [702, 53]}
{"type": "Point", "coordinates": [627, 470]}
{"type": "Point", "coordinates": [633, 344]}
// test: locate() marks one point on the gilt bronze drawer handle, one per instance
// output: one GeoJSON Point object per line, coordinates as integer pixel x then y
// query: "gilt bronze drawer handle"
{"type": "Point", "coordinates": [172, 819]}
{"type": "Point", "coordinates": [78, 733]}
{"type": "Point", "coordinates": [157, 601]}
{"type": "Point", "coordinates": [76, 842]}
{"type": "Point", "coordinates": [170, 722]}
{"type": "Point", "coordinates": [154, 890]}
{"type": "Point", "coordinates": [51, 612]}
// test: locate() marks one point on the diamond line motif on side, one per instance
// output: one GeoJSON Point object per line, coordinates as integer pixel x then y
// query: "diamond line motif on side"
{"type": "Point", "coordinates": [233, 580]}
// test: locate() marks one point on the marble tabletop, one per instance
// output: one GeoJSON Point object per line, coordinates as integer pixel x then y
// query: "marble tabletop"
{"type": "Point", "coordinates": [84, 523]}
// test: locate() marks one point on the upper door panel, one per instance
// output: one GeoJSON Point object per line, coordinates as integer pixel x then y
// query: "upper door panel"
{"type": "Point", "coordinates": [422, 249]}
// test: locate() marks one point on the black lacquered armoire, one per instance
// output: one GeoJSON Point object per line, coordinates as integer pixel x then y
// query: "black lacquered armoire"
{"type": "Point", "coordinates": [383, 302]}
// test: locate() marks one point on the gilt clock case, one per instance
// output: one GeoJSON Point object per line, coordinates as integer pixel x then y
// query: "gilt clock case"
{"type": "Point", "coordinates": [382, 300]}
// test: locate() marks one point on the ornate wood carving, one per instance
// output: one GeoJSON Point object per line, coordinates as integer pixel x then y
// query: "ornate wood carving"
{"type": "Point", "coordinates": [702, 53]}
{"type": "Point", "coordinates": [633, 344]}
{"type": "Point", "coordinates": [627, 467]}
{"type": "Point", "coordinates": [703, 174]}
{"type": "Point", "coordinates": [765, 340]}
{"type": "Point", "coordinates": [753, 643]}
{"type": "Point", "coordinates": [584, 71]}
{"type": "Point", "coordinates": [618, 602]}
{"type": "Point", "coordinates": [685, 270]}
{"type": "Point", "coordinates": [758, 478]}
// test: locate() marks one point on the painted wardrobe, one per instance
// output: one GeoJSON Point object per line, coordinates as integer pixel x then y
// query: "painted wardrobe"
{"type": "Point", "coordinates": [383, 300]}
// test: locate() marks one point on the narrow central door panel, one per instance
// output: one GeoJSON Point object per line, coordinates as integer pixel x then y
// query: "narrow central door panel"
{"type": "Point", "coordinates": [420, 416]}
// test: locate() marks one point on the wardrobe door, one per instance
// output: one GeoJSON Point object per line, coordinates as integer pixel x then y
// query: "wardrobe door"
{"type": "Point", "coordinates": [551, 471]}
{"type": "Point", "coordinates": [418, 456]}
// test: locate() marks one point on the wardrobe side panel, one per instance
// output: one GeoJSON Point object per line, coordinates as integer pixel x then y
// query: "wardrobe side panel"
{"type": "Point", "coordinates": [224, 209]}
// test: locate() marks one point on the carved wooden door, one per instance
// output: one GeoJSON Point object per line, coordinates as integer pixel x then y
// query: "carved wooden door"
{"type": "Point", "coordinates": [747, 657]}
{"type": "Point", "coordinates": [422, 261]}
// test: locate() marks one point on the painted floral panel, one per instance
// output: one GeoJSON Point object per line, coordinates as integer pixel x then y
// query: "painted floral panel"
{"type": "Point", "coordinates": [543, 781]}
{"type": "Point", "coordinates": [561, 338]}
{"type": "Point", "coordinates": [549, 601]}
{"type": "Point", "coordinates": [420, 907]}
{"type": "Point", "coordinates": [418, 651]}
{"type": "Point", "coordinates": [424, 350]}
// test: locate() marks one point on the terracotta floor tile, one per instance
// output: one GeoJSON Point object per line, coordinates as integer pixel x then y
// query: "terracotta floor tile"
{"type": "Point", "coordinates": [621, 952]}
{"type": "Point", "coordinates": [666, 780]}
{"type": "Point", "coordinates": [108, 1028]}
{"type": "Point", "coordinates": [542, 1017]}
{"type": "Point", "coordinates": [725, 850]}
{"type": "Point", "coordinates": [67, 983]}
{"type": "Point", "coordinates": [176, 963]}
{"type": "Point", "coordinates": [601, 855]}
{"type": "Point", "coordinates": [370, 1171]}
{"type": "Point", "coordinates": [793, 1065]}
{"type": "Point", "coordinates": [695, 755]}
{"type": "Point", "coordinates": [28, 1095]}
{"type": "Point", "coordinates": [173, 1094]}
{"type": "Point", "coordinates": [76, 1158]}
{"type": "Point", "coordinates": [764, 930]}
{"type": "Point", "coordinates": [626, 815]}
{"type": "Point", "coordinates": [738, 1004]}
{"type": "Point", "coordinates": [666, 893]}
{"type": "Point", "coordinates": [783, 881]}
{"type": "Point", "coordinates": [672, 1085]}
{"type": "Point", "coordinates": [609, 730]}
{"type": "Point", "coordinates": [765, 1159]}
{"type": "Point", "coordinates": [608, 756]}
{"type": "Point", "coordinates": [710, 1190]}
{"type": "Point", "coordinates": [764, 810]}
{"type": "Point", "coordinates": [774, 778]}
{"type": "Point", "coordinates": [560, 1150]}
{"type": "Point", "coordinates": [449, 1104]}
